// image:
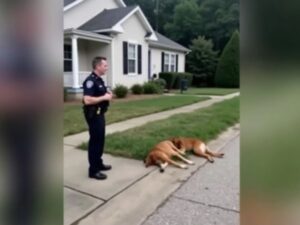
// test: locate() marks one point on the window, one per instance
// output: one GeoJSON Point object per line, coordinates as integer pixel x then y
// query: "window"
{"type": "Point", "coordinates": [166, 66]}
{"type": "Point", "coordinates": [173, 63]}
{"type": "Point", "coordinates": [169, 63]}
{"type": "Point", "coordinates": [132, 58]}
{"type": "Point", "coordinates": [67, 58]}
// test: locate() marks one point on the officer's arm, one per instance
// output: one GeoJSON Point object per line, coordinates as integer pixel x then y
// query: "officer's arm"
{"type": "Point", "coordinates": [90, 100]}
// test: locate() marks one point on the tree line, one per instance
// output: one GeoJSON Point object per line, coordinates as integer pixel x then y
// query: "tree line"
{"type": "Point", "coordinates": [204, 26]}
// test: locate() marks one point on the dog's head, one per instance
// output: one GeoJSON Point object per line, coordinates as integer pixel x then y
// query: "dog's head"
{"type": "Point", "coordinates": [148, 161]}
{"type": "Point", "coordinates": [177, 141]}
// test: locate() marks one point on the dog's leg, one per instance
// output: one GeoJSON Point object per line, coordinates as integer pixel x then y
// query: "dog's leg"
{"type": "Point", "coordinates": [182, 166]}
{"type": "Point", "coordinates": [201, 151]}
{"type": "Point", "coordinates": [180, 151]}
{"type": "Point", "coordinates": [184, 159]}
{"type": "Point", "coordinates": [215, 154]}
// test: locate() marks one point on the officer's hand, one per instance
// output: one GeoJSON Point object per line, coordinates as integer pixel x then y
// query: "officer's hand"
{"type": "Point", "coordinates": [108, 96]}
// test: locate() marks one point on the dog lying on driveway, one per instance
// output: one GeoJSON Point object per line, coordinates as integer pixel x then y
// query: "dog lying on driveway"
{"type": "Point", "coordinates": [195, 145]}
{"type": "Point", "coordinates": [162, 154]}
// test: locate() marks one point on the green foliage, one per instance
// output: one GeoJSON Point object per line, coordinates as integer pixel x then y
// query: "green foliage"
{"type": "Point", "coordinates": [169, 77]}
{"type": "Point", "coordinates": [185, 20]}
{"type": "Point", "coordinates": [185, 24]}
{"type": "Point", "coordinates": [173, 79]}
{"type": "Point", "coordinates": [137, 89]}
{"type": "Point", "coordinates": [219, 19]}
{"type": "Point", "coordinates": [161, 82]}
{"type": "Point", "coordinates": [228, 71]}
{"type": "Point", "coordinates": [152, 88]}
{"type": "Point", "coordinates": [202, 60]}
{"type": "Point", "coordinates": [120, 91]}
{"type": "Point", "coordinates": [180, 76]}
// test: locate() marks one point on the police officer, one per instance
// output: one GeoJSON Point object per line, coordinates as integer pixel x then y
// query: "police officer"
{"type": "Point", "coordinates": [96, 99]}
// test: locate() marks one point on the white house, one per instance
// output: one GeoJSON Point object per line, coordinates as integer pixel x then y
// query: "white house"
{"type": "Point", "coordinates": [122, 34]}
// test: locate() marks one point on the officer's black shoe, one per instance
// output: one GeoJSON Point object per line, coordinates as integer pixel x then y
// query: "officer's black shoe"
{"type": "Point", "coordinates": [98, 176]}
{"type": "Point", "coordinates": [104, 167]}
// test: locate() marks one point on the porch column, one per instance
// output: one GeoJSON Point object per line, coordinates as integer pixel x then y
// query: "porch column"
{"type": "Point", "coordinates": [75, 66]}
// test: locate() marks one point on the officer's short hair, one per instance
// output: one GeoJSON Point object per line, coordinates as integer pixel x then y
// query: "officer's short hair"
{"type": "Point", "coordinates": [97, 60]}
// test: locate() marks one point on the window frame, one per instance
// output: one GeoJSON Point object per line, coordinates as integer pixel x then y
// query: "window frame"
{"type": "Point", "coordinates": [68, 59]}
{"type": "Point", "coordinates": [135, 44]}
{"type": "Point", "coordinates": [169, 63]}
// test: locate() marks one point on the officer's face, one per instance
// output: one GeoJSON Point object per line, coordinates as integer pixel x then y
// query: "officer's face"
{"type": "Point", "coordinates": [102, 67]}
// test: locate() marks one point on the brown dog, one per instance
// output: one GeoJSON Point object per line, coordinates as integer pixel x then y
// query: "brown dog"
{"type": "Point", "coordinates": [162, 154]}
{"type": "Point", "coordinates": [195, 145]}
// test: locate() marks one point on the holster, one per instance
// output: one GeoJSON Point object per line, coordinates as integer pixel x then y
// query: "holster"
{"type": "Point", "coordinates": [90, 111]}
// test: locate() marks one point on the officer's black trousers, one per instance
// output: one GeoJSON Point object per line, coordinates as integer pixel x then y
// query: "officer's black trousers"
{"type": "Point", "coordinates": [96, 142]}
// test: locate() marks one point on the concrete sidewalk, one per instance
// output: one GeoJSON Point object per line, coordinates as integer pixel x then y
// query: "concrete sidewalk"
{"type": "Point", "coordinates": [124, 197]}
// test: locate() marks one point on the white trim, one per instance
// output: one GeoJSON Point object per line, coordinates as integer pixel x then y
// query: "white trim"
{"type": "Point", "coordinates": [75, 65]}
{"type": "Point", "coordinates": [108, 30]}
{"type": "Point", "coordinates": [67, 7]}
{"type": "Point", "coordinates": [112, 64]}
{"type": "Point", "coordinates": [117, 28]}
{"type": "Point", "coordinates": [121, 3]}
{"type": "Point", "coordinates": [162, 46]}
{"type": "Point", "coordinates": [88, 35]}
{"type": "Point", "coordinates": [144, 21]}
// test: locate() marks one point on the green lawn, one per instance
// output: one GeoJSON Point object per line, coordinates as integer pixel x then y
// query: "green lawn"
{"type": "Point", "coordinates": [208, 91]}
{"type": "Point", "coordinates": [74, 121]}
{"type": "Point", "coordinates": [204, 123]}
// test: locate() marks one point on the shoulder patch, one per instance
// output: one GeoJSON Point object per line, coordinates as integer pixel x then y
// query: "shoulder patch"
{"type": "Point", "coordinates": [89, 84]}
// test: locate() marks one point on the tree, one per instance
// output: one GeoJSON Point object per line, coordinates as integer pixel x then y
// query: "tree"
{"type": "Point", "coordinates": [228, 70]}
{"type": "Point", "coordinates": [185, 20]}
{"type": "Point", "coordinates": [219, 19]}
{"type": "Point", "coordinates": [202, 60]}
{"type": "Point", "coordinates": [163, 15]}
{"type": "Point", "coordinates": [185, 24]}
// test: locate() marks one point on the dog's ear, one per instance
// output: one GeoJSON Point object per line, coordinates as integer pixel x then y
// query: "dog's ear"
{"type": "Point", "coordinates": [175, 141]}
{"type": "Point", "coordinates": [179, 142]}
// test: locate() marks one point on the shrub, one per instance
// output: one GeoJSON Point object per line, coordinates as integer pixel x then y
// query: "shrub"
{"type": "Point", "coordinates": [180, 76]}
{"type": "Point", "coordinates": [160, 82]}
{"type": "Point", "coordinates": [173, 79]}
{"type": "Point", "coordinates": [169, 78]}
{"type": "Point", "coordinates": [152, 88]}
{"type": "Point", "coordinates": [228, 71]}
{"type": "Point", "coordinates": [120, 91]}
{"type": "Point", "coordinates": [137, 89]}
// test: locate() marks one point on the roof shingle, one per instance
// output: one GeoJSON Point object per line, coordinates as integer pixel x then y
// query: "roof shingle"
{"type": "Point", "coordinates": [106, 19]}
{"type": "Point", "coordinates": [67, 2]}
{"type": "Point", "coordinates": [163, 41]}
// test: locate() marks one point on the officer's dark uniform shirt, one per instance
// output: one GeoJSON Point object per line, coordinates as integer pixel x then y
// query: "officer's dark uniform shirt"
{"type": "Point", "coordinates": [94, 86]}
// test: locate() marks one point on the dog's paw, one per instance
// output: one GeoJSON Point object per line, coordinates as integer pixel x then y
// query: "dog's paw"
{"type": "Point", "coordinates": [221, 155]}
{"type": "Point", "coordinates": [191, 163]}
{"type": "Point", "coordinates": [183, 167]}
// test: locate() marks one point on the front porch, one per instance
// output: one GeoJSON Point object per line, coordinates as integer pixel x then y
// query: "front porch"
{"type": "Point", "coordinates": [80, 47]}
